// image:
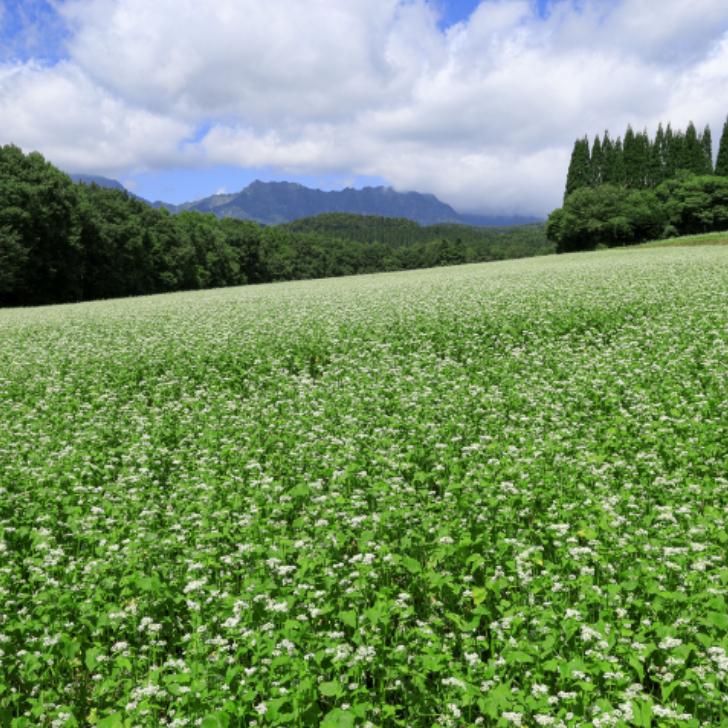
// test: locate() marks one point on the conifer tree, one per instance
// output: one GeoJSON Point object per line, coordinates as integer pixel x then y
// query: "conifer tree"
{"type": "Point", "coordinates": [597, 163]}
{"type": "Point", "coordinates": [579, 174]}
{"type": "Point", "coordinates": [607, 154]}
{"type": "Point", "coordinates": [669, 161]}
{"type": "Point", "coordinates": [616, 172]}
{"type": "Point", "coordinates": [707, 142]}
{"type": "Point", "coordinates": [678, 156]}
{"type": "Point", "coordinates": [658, 158]}
{"type": "Point", "coordinates": [693, 155]}
{"type": "Point", "coordinates": [642, 159]}
{"type": "Point", "coordinates": [721, 164]}
{"type": "Point", "coordinates": [633, 159]}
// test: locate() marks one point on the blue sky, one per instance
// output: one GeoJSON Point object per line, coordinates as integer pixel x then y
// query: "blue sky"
{"type": "Point", "coordinates": [32, 30]}
{"type": "Point", "coordinates": [476, 101]}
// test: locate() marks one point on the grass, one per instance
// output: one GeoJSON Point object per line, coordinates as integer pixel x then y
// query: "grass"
{"type": "Point", "coordinates": [482, 495]}
{"type": "Point", "coordinates": [720, 238]}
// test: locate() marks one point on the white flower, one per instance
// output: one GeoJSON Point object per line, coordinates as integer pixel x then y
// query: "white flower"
{"type": "Point", "coordinates": [669, 642]}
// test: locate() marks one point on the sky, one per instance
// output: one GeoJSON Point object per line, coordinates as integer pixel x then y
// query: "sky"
{"type": "Point", "coordinates": [476, 101]}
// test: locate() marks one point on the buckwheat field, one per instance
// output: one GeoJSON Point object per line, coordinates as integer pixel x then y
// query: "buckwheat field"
{"type": "Point", "coordinates": [485, 495]}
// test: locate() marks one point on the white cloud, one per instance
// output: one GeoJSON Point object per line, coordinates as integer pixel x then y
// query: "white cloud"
{"type": "Point", "coordinates": [483, 114]}
{"type": "Point", "coordinates": [78, 125]}
{"type": "Point", "coordinates": [264, 61]}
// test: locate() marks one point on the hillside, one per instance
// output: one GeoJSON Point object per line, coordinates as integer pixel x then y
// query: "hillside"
{"type": "Point", "coordinates": [720, 238]}
{"type": "Point", "coordinates": [371, 499]}
{"type": "Point", "coordinates": [63, 242]}
{"type": "Point", "coordinates": [399, 231]}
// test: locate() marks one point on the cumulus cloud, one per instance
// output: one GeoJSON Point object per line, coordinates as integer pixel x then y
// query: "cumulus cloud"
{"type": "Point", "coordinates": [483, 113]}
{"type": "Point", "coordinates": [79, 125]}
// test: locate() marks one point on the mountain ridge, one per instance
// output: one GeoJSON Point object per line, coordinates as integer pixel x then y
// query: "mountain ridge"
{"type": "Point", "coordinates": [274, 203]}
{"type": "Point", "coordinates": [280, 202]}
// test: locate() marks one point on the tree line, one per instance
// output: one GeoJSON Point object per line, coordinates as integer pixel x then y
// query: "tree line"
{"type": "Point", "coordinates": [64, 242]}
{"type": "Point", "coordinates": [629, 190]}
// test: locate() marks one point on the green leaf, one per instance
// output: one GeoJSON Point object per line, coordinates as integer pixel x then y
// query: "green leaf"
{"type": "Point", "coordinates": [717, 619]}
{"type": "Point", "coordinates": [667, 690]}
{"type": "Point", "coordinates": [496, 701]}
{"type": "Point", "coordinates": [412, 565]}
{"type": "Point", "coordinates": [479, 595]}
{"type": "Point", "coordinates": [520, 657]}
{"type": "Point", "coordinates": [115, 720]}
{"type": "Point", "coordinates": [69, 648]}
{"type": "Point", "coordinates": [211, 721]}
{"type": "Point", "coordinates": [330, 689]}
{"type": "Point", "coordinates": [338, 718]}
{"type": "Point", "coordinates": [90, 658]}
{"type": "Point", "coordinates": [642, 712]}
{"type": "Point", "coordinates": [348, 618]}
{"type": "Point", "coordinates": [637, 665]}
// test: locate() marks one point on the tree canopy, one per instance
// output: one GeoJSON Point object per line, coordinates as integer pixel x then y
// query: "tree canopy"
{"type": "Point", "coordinates": [61, 242]}
{"type": "Point", "coordinates": [636, 189]}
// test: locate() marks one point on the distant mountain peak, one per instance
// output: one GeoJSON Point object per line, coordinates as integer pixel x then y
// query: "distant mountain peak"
{"type": "Point", "coordinates": [96, 179]}
{"type": "Point", "coordinates": [273, 203]}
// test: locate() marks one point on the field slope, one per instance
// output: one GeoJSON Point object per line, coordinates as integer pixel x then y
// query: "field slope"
{"type": "Point", "coordinates": [482, 495]}
{"type": "Point", "coordinates": [720, 238]}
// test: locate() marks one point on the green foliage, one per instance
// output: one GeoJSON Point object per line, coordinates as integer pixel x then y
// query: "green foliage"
{"type": "Point", "coordinates": [405, 244]}
{"type": "Point", "coordinates": [596, 164]}
{"type": "Point", "coordinates": [683, 203]}
{"type": "Point", "coordinates": [605, 216]}
{"type": "Point", "coordinates": [63, 242]}
{"type": "Point", "coordinates": [695, 204]}
{"type": "Point", "coordinates": [579, 174]}
{"type": "Point", "coordinates": [487, 495]}
{"type": "Point", "coordinates": [639, 162]}
{"type": "Point", "coordinates": [39, 231]}
{"type": "Point", "coordinates": [721, 164]}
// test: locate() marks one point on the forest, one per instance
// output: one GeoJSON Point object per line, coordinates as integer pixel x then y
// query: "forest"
{"type": "Point", "coordinates": [628, 191]}
{"type": "Point", "coordinates": [65, 242]}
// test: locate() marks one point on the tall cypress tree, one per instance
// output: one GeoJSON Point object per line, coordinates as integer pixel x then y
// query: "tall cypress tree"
{"type": "Point", "coordinates": [678, 156]}
{"type": "Point", "coordinates": [633, 168]}
{"type": "Point", "coordinates": [658, 157]}
{"type": "Point", "coordinates": [579, 173]}
{"type": "Point", "coordinates": [669, 161]}
{"type": "Point", "coordinates": [642, 159]}
{"type": "Point", "coordinates": [721, 164]}
{"type": "Point", "coordinates": [693, 154]}
{"type": "Point", "coordinates": [707, 143]}
{"type": "Point", "coordinates": [617, 172]}
{"type": "Point", "coordinates": [597, 163]}
{"type": "Point", "coordinates": [607, 157]}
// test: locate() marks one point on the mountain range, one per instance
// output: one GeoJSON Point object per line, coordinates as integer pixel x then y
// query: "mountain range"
{"type": "Point", "coordinates": [273, 203]}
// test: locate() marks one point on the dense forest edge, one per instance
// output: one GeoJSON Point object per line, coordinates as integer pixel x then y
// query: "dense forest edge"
{"type": "Point", "coordinates": [631, 190]}
{"type": "Point", "coordinates": [62, 242]}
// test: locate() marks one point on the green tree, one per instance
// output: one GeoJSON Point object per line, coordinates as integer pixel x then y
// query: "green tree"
{"type": "Point", "coordinates": [721, 164]}
{"type": "Point", "coordinates": [706, 141]}
{"type": "Point", "coordinates": [38, 214]}
{"type": "Point", "coordinates": [13, 258]}
{"type": "Point", "coordinates": [613, 154]}
{"type": "Point", "coordinates": [695, 204]}
{"type": "Point", "coordinates": [694, 159]}
{"type": "Point", "coordinates": [658, 158]}
{"type": "Point", "coordinates": [579, 174]}
{"type": "Point", "coordinates": [636, 158]}
{"type": "Point", "coordinates": [597, 163]}
{"type": "Point", "coordinates": [606, 215]}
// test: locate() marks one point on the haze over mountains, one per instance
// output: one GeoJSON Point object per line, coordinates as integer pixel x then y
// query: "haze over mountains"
{"type": "Point", "coordinates": [272, 203]}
